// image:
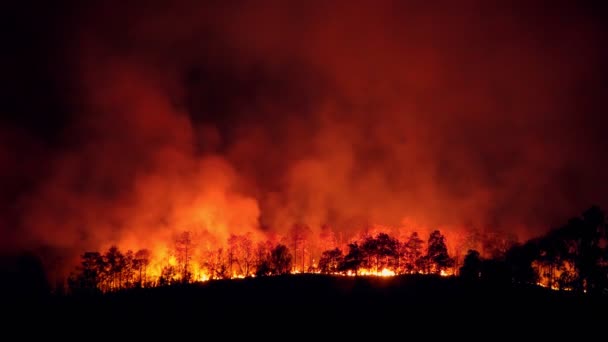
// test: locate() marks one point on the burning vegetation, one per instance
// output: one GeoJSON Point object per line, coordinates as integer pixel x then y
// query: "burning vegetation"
{"type": "Point", "coordinates": [243, 256]}
{"type": "Point", "coordinates": [572, 257]}
{"type": "Point", "coordinates": [158, 143]}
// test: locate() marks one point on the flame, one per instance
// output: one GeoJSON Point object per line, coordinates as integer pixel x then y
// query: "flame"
{"type": "Point", "coordinates": [199, 257]}
{"type": "Point", "coordinates": [555, 277]}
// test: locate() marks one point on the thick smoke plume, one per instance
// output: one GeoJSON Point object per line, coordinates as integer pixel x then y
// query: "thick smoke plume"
{"type": "Point", "coordinates": [227, 117]}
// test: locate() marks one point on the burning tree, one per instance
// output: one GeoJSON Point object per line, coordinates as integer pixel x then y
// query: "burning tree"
{"type": "Point", "coordinates": [114, 262]}
{"type": "Point", "coordinates": [412, 253]}
{"type": "Point", "coordinates": [298, 236]}
{"type": "Point", "coordinates": [141, 262]}
{"type": "Point", "coordinates": [353, 259]}
{"type": "Point", "coordinates": [437, 253]}
{"type": "Point", "coordinates": [381, 252]}
{"type": "Point", "coordinates": [183, 254]}
{"type": "Point", "coordinates": [241, 255]}
{"type": "Point", "coordinates": [331, 260]}
{"type": "Point", "coordinates": [280, 259]}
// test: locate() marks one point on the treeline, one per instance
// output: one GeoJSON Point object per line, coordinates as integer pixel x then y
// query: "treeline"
{"type": "Point", "coordinates": [572, 257]}
{"type": "Point", "coordinates": [374, 254]}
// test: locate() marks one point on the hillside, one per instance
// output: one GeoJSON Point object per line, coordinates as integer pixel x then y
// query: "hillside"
{"type": "Point", "coordinates": [302, 300]}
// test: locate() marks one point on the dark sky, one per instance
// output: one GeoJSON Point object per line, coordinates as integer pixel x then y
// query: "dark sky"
{"type": "Point", "coordinates": [121, 123]}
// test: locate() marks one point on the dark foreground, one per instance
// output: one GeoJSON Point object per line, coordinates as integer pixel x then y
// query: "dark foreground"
{"type": "Point", "coordinates": [302, 302]}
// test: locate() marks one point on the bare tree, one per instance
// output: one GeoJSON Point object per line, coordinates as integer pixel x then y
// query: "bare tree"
{"type": "Point", "coordinates": [183, 253]}
{"type": "Point", "coordinates": [240, 254]}
{"type": "Point", "coordinates": [247, 254]}
{"type": "Point", "coordinates": [298, 235]}
{"type": "Point", "coordinates": [141, 262]}
{"type": "Point", "coordinates": [114, 262]}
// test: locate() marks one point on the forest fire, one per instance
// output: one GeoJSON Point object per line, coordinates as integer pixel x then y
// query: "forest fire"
{"type": "Point", "coordinates": [183, 262]}
{"type": "Point", "coordinates": [191, 142]}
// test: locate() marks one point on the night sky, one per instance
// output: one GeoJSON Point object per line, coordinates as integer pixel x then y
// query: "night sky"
{"type": "Point", "coordinates": [125, 123]}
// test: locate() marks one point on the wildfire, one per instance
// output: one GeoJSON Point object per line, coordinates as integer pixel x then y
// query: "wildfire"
{"type": "Point", "coordinates": [191, 257]}
{"type": "Point", "coordinates": [556, 278]}
{"type": "Point", "coordinates": [385, 272]}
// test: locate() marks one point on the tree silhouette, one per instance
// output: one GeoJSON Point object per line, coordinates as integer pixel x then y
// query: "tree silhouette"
{"type": "Point", "coordinates": [241, 254]}
{"type": "Point", "coordinates": [298, 235]}
{"type": "Point", "coordinates": [437, 253]}
{"type": "Point", "coordinates": [90, 274]}
{"type": "Point", "coordinates": [412, 253]}
{"type": "Point", "coordinates": [183, 253]}
{"type": "Point", "coordinates": [388, 251]}
{"type": "Point", "coordinates": [233, 252]}
{"type": "Point", "coordinates": [128, 270]}
{"type": "Point", "coordinates": [167, 275]}
{"type": "Point", "coordinates": [331, 260]}
{"type": "Point", "coordinates": [520, 258]}
{"type": "Point", "coordinates": [114, 264]}
{"type": "Point", "coordinates": [471, 269]}
{"type": "Point", "coordinates": [140, 263]}
{"type": "Point", "coordinates": [280, 259]}
{"type": "Point", "coordinates": [354, 259]}
{"type": "Point", "coordinates": [369, 251]}
{"type": "Point", "coordinates": [553, 253]}
{"type": "Point", "coordinates": [380, 252]}
{"type": "Point", "coordinates": [590, 251]}
{"type": "Point", "coordinates": [216, 264]}
{"type": "Point", "coordinates": [264, 268]}
{"type": "Point", "coordinates": [246, 248]}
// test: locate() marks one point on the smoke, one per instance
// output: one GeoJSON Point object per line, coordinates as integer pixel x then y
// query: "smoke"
{"type": "Point", "coordinates": [253, 116]}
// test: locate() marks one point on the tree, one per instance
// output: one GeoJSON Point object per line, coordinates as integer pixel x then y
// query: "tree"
{"type": "Point", "coordinates": [380, 252]}
{"type": "Point", "coordinates": [167, 275]}
{"type": "Point", "coordinates": [471, 269]}
{"type": "Point", "coordinates": [241, 255]}
{"type": "Point", "coordinates": [183, 253]}
{"type": "Point", "coordinates": [89, 277]}
{"type": "Point", "coordinates": [495, 243]}
{"type": "Point", "coordinates": [216, 263]}
{"type": "Point", "coordinates": [141, 262]}
{"type": "Point", "coordinates": [331, 260]}
{"type": "Point", "coordinates": [437, 253]}
{"type": "Point", "coordinates": [298, 236]}
{"type": "Point", "coordinates": [589, 258]}
{"type": "Point", "coordinates": [233, 252]}
{"type": "Point", "coordinates": [553, 253]}
{"type": "Point", "coordinates": [262, 259]}
{"type": "Point", "coordinates": [327, 238]}
{"type": "Point", "coordinates": [520, 259]}
{"type": "Point", "coordinates": [128, 270]}
{"type": "Point", "coordinates": [247, 255]}
{"type": "Point", "coordinates": [353, 259]}
{"type": "Point", "coordinates": [114, 264]}
{"type": "Point", "coordinates": [387, 251]}
{"type": "Point", "coordinates": [280, 259]}
{"type": "Point", "coordinates": [412, 253]}
{"type": "Point", "coordinates": [369, 251]}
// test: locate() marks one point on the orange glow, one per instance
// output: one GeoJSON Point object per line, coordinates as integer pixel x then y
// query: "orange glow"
{"type": "Point", "coordinates": [253, 126]}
